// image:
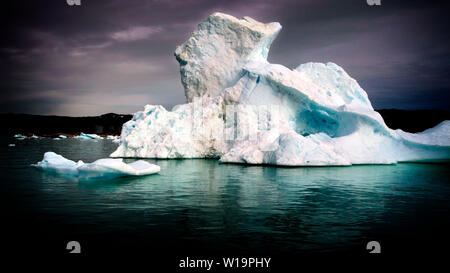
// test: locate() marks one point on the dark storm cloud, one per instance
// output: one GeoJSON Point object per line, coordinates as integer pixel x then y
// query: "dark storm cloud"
{"type": "Point", "coordinates": [116, 56]}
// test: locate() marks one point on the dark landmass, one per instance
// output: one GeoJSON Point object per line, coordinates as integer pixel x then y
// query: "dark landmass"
{"type": "Point", "coordinates": [413, 121]}
{"type": "Point", "coordinates": [107, 124]}
{"type": "Point", "coordinates": [111, 124]}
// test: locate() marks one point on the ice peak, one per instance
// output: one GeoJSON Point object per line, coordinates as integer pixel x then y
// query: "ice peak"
{"type": "Point", "coordinates": [213, 57]}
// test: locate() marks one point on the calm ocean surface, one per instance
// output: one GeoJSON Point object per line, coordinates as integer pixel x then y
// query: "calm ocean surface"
{"type": "Point", "coordinates": [202, 207]}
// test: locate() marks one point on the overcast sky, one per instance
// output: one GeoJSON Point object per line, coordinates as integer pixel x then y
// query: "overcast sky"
{"type": "Point", "coordinates": [116, 56]}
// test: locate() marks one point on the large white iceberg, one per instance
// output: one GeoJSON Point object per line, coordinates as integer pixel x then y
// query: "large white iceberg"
{"type": "Point", "coordinates": [101, 168]}
{"type": "Point", "coordinates": [242, 109]}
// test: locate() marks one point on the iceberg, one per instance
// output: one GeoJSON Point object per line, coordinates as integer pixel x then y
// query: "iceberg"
{"type": "Point", "coordinates": [115, 139]}
{"type": "Point", "coordinates": [242, 109]}
{"type": "Point", "coordinates": [19, 137]}
{"type": "Point", "coordinates": [101, 168]}
{"type": "Point", "coordinates": [88, 136]}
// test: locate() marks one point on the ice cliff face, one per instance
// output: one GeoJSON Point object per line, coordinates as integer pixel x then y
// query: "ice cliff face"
{"type": "Point", "coordinates": [243, 109]}
{"type": "Point", "coordinates": [213, 57]}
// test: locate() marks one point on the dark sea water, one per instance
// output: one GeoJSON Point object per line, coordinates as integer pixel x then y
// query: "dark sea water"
{"type": "Point", "coordinates": [204, 208]}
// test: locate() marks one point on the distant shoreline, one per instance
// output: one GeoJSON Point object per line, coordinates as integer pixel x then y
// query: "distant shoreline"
{"type": "Point", "coordinates": [111, 124]}
{"type": "Point", "coordinates": [53, 126]}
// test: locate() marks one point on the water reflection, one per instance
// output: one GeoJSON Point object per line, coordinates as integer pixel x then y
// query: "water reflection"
{"type": "Point", "coordinates": [234, 206]}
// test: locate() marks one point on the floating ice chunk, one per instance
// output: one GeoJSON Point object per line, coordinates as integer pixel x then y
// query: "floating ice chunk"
{"type": "Point", "coordinates": [101, 168]}
{"type": "Point", "coordinates": [62, 136]}
{"type": "Point", "coordinates": [88, 136]}
{"type": "Point", "coordinates": [11, 145]}
{"type": "Point", "coordinates": [116, 167]}
{"type": "Point", "coordinates": [115, 139]}
{"type": "Point", "coordinates": [92, 136]}
{"type": "Point", "coordinates": [19, 137]}
{"type": "Point", "coordinates": [34, 136]}
{"type": "Point", "coordinates": [57, 163]}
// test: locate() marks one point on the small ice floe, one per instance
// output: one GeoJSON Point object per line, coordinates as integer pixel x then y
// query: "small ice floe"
{"type": "Point", "coordinates": [11, 145]}
{"type": "Point", "coordinates": [88, 136]}
{"type": "Point", "coordinates": [34, 136]}
{"type": "Point", "coordinates": [101, 168]}
{"type": "Point", "coordinates": [19, 137]}
{"type": "Point", "coordinates": [115, 139]}
{"type": "Point", "coordinates": [62, 136]}
{"type": "Point", "coordinates": [56, 138]}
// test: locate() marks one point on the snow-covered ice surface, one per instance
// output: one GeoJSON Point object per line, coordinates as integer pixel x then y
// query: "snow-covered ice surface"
{"type": "Point", "coordinates": [438, 135]}
{"type": "Point", "coordinates": [101, 168]}
{"type": "Point", "coordinates": [213, 57]}
{"type": "Point", "coordinates": [242, 109]}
